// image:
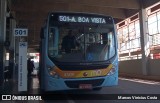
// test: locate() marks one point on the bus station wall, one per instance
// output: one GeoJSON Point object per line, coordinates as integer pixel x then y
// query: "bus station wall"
{"type": "Point", "coordinates": [134, 67]}
{"type": "Point", "coordinates": [130, 66]}
{"type": "Point", "coordinates": [154, 67]}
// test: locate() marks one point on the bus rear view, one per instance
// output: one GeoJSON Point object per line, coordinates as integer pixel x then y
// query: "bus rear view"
{"type": "Point", "coordinates": [78, 51]}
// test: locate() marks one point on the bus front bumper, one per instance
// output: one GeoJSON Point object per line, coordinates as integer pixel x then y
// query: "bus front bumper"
{"type": "Point", "coordinates": [56, 84]}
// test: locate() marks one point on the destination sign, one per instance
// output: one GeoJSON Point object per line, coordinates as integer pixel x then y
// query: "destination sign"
{"type": "Point", "coordinates": [82, 19]}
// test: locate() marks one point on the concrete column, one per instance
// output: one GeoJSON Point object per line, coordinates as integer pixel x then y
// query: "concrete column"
{"type": "Point", "coordinates": [3, 6]}
{"type": "Point", "coordinates": [12, 46]}
{"type": "Point", "coordinates": [12, 37]}
{"type": "Point", "coordinates": [144, 40]}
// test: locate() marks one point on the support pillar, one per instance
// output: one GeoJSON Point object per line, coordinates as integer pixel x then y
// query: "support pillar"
{"type": "Point", "coordinates": [12, 47]}
{"type": "Point", "coordinates": [144, 40]}
{"type": "Point", "coordinates": [3, 6]}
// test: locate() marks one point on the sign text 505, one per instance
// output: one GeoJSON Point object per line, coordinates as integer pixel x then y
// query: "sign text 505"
{"type": "Point", "coordinates": [20, 32]}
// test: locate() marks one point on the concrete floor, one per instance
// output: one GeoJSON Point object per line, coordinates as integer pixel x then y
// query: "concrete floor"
{"type": "Point", "coordinates": [126, 87]}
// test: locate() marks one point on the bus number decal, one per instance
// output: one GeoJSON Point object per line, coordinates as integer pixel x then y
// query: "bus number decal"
{"type": "Point", "coordinates": [96, 73]}
{"type": "Point", "coordinates": [68, 74]}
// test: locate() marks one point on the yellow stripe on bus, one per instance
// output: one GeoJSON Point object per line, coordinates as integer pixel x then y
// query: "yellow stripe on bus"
{"type": "Point", "coordinates": [83, 73]}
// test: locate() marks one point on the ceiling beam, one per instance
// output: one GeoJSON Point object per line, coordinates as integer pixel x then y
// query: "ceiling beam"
{"type": "Point", "coordinates": [129, 12]}
{"type": "Point", "coordinates": [128, 4]}
{"type": "Point", "coordinates": [107, 7]}
{"type": "Point", "coordinates": [114, 12]}
{"type": "Point", "coordinates": [147, 3]}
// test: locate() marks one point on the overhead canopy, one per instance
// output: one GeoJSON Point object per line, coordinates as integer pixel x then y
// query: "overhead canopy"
{"type": "Point", "coordinates": [31, 14]}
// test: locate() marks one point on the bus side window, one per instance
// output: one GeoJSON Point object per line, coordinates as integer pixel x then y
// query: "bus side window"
{"type": "Point", "coordinates": [52, 42]}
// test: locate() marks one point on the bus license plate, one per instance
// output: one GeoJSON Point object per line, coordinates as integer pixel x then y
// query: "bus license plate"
{"type": "Point", "coordinates": [85, 86]}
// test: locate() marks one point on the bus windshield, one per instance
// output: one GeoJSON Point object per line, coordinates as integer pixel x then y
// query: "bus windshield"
{"type": "Point", "coordinates": [81, 42]}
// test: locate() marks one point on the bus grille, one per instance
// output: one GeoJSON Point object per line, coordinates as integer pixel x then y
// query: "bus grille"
{"type": "Point", "coordinates": [75, 84]}
{"type": "Point", "coordinates": [80, 67]}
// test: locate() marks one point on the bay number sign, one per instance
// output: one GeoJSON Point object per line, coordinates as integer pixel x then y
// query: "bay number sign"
{"type": "Point", "coordinates": [20, 32]}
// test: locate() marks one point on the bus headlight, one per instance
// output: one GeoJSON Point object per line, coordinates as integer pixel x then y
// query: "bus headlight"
{"type": "Point", "coordinates": [112, 71]}
{"type": "Point", "coordinates": [53, 73]}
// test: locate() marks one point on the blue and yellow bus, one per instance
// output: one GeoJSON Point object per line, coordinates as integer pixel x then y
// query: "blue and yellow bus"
{"type": "Point", "coordinates": [88, 59]}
